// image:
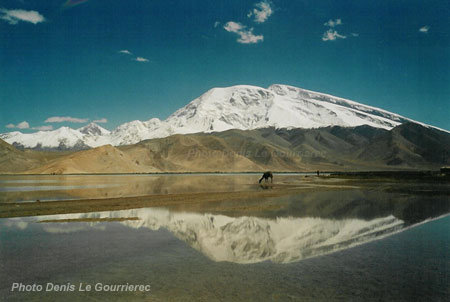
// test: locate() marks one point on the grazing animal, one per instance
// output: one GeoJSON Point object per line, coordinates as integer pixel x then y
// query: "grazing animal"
{"type": "Point", "coordinates": [266, 176]}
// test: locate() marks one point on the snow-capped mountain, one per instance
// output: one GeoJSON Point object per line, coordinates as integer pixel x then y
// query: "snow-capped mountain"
{"type": "Point", "coordinates": [63, 137]}
{"type": "Point", "coordinates": [94, 135]}
{"type": "Point", "coordinates": [93, 129]}
{"type": "Point", "coordinates": [136, 131]}
{"type": "Point", "coordinates": [219, 109]}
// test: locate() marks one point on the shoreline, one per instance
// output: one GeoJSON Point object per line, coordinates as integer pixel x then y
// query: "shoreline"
{"type": "Point", "coordinates": [417, 173]}
{"type": "Point", "coordinates": [10, 210]}
{"type": "Point", "coordinates": [246, 200]}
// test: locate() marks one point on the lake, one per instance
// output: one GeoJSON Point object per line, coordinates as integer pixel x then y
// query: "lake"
{"type": "Point", "coordinates": [353, 242]}
{"type": "Point", "coordinates": [26, 188]}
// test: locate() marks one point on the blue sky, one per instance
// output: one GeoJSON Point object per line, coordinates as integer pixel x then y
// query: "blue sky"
{"type": "Point", "coordinates": [67, 63]}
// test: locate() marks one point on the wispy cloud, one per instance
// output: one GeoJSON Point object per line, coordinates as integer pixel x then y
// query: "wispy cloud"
{"type": "Point", "coordinates": [141, 59]}
{"type": "Point", "coordinates": [137, 59]}
{"type": "Point", "coordinates": [261, 12]}
{"type": "Point", "coordinates": [26, 125]}
{"type": "Point", "coordinates": [71, 3]}
{"type": "Point", "coordinates": [102, 120]}
{"type": "Point", "coordinates": [217, 23]}
{"type": "Point", "coordinates": [333, 23]}
{"type": "Point", "coordinates": [14, 16]}
{"type": "Point", "coordinates": [61, 119]}
{"type": "Point", "coordinates": [22, 125]}
{"type": "Point", "coordinates": [331, 35]}
{"type": "Point", "coordinates": [245, 34]}
{"type": "Point", "coordinates": [424, 29]}
{"type": "Point", "coordinates": [43, 128]}
{"type": "Point", "coordinates": [125, 51]}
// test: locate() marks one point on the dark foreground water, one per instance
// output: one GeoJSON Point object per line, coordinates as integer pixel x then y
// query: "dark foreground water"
{"type": "Point", "coordinates": [350, 245]}
{"type": "Point", "coordinates": [200, 257]}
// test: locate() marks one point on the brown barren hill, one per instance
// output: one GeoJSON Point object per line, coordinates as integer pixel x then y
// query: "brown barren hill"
{"type": "Point", "coordinates": [104, 159]}
{"type": "Point", "coordinates": [190, 153]}
{"type": "Point", "coordinates": [13, 160]}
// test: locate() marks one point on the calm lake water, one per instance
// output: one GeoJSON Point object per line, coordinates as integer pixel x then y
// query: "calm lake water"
{"type": "Point", "coordinates": [356, 244]}
{"type": "Point", "coordinates": [57, 187]}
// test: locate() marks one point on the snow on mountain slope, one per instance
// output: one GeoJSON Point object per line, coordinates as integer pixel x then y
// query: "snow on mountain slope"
{"type": "Point", "coordinates": [349, 109]}
{"type": "Point", "coordinates": [250, 107]}
{"type": "Point", "coordinates": [238, 107]}
{"type": "Point", "coordinates": [94, 135]}
{"type": "Point", "coordinates": [62, 137]}
{"type": "Point", "coordinates": [220, 109]}
{"type": "Point", "coordinates": [136, 131]}
{"type": "Point", "coordinates": [93, 129]}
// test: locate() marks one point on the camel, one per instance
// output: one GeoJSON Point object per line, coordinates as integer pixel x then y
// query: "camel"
{"type": "Point", "coordinates": [266, 176]}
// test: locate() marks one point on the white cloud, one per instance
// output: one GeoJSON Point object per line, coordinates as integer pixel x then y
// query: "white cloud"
{"type": "Point", "coordinates": [22, 125]}
{"type": "Point", "coordinates": [424, 29]}
{"type": "Point", "coordinates": [233, 26]}
{"type": "Point", "coordinates": [262, 12]}
{"type": "Point", "coordinates": [125, 51]}
{"type": "Point", "coordinates": [333, 23]}
{"type": "Point", "coordinates": [137, 59]}
{"type": "Point", "coordinates": [102, 120]}
{"type": "Point", "coordinates": [246, 36]}
{"type": "Point", "coordinates": [331, 35]}
{"type": "Point", "coordinates": [14, 16]}
{"type": "Point", "coordinates": [61, 119]}
{"type": "Point", "coordinates": [25, 125]}
{"type": "Point", "coordinates": [355, 35]}
{"type": "Point", "coordinates": [141, 59]}
{"type": "Point", "coordinates": [217, 23]}
{"type": "Point", "coordinates": [43, 128]}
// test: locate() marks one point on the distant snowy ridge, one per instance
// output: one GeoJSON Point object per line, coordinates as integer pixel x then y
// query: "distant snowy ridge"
{"type": "Point", "coordinates": [91, 135]}
{"type": "Point", "coordinates": [238, 107]}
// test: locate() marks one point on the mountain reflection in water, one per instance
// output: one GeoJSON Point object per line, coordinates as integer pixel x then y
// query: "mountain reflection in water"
{"type": "Point", "coordinates": [247, 239]}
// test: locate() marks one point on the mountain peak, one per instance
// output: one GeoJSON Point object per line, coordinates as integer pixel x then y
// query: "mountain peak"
{"type": "Point", "coordinates": [219, 109]}
{"type": "Point", "coordinates": [93, 129]}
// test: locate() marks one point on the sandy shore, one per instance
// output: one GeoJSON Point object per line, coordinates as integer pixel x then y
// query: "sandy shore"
{"type": "Point", "coordinates": [174, 201]}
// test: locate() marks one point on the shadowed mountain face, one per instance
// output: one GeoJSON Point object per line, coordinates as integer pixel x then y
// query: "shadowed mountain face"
{"type": "Point", "coordinates": [408, 146]}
